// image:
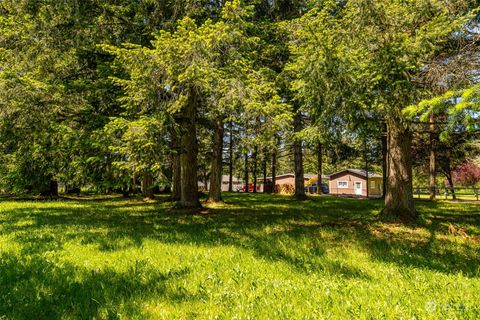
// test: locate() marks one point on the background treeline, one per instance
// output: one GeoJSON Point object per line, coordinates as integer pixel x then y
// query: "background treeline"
{"type": "Point", "coordinates": [133, 95]}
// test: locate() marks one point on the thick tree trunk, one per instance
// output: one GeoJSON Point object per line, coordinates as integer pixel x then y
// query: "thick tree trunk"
{"type": "Point", "coordinates": [176, 169]}
{"type": "Point", "coordinates": [230, 159]}
{"type": "Point", "coordinates": [274, 171]}
{"type": "Point", "coordinates": [319, 167]}
{"type": "Point", "coordinates": [215, 194]}
{"type": "Point", "coordinates": [255, 169]}
{"type": "Point", "coordinates": [399, 198]}
{"type": "Point", "coordinates": [298, 157]}
{"type": "Point", "coordinates": [433, 159]}
{"type": "Point", "coordinates": [147, 185]}
{"type": "Point", "coordinates": [246, 173]}
{"type": "Point", "coordinates": [188, 157]}
{"type": "Point", "coordinates": [384, 161]}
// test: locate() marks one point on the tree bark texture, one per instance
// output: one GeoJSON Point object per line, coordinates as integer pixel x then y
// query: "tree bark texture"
{"type": "Point", "coordinates": [384, 161]}
{"type": "Point", "coordinates": [298, 157]}
{"type": "Point", "coordinates": [246, 173]}
{"type": "Point", "coordinates": [230, 159]}
{"type": "Point", "coordinates": [274, 171]}
{"type": "Point", "coordinates": [188, 157]}
{"type": "Point", "coordinates": [255, 169]}
{"type": "Point", "coordinates": [215, 194]}
{"type": "Point", "coordinates": [147, 185]}
{"type": "Point", "coordinates": [264, 170]}
{"type": "Point", "coordinates": [448, 174]}
{"type": "Point", "coordinates": [367, 168]}
{"type": "Point", "coordinates": [176, 168]}
{"type": "Point", "coordinates": [432, 172]}
{"type": "Point", "coordinates": [319, 167]}
{"type": "Point", "coordinates": [399, 203]}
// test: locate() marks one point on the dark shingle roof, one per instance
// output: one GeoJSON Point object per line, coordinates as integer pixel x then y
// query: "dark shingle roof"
{"type": "Point", "coordinates": [359, 172]}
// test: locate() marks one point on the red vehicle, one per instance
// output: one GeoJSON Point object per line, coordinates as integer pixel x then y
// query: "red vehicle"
{"type": "Point", "coordinates": [250, 188]}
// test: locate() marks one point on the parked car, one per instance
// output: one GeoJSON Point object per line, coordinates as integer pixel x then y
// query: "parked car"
{"type": "Point", "coordinates": [313, 188]}
{"type": "Point", "coordinates": [250, 188]}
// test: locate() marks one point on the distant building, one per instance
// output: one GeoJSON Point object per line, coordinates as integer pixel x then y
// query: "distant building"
{"type": "Point", "coordinates": [236, 182]}
{"type": "Point", "coordinates": [289, 178]}
{"type": "Point", "coordinates": [353, 182]}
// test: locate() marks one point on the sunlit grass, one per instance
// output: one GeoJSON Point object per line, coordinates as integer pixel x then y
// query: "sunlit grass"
{"type": "Point", "coordinates": [255, 256]}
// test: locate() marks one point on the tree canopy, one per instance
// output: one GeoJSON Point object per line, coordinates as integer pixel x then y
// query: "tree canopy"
{"type": "Point", "coordinates": [112, 95]}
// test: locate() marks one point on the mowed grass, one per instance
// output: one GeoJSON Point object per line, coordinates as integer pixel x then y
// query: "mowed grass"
{"type": "Point", "coordinates": [255, 257]}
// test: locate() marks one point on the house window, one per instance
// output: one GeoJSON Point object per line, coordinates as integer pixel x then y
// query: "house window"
{"type": "Point", "coordinates": [373, 185]}
{"type": "Point", "coordinates": [342, 184]}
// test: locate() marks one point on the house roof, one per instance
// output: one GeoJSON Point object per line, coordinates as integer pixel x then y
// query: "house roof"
{"type": "Point", "coordinates": [358, 172]}
{"type": "Point", "coordinates": [226, 179]}
{"type": "Point", "coordinates": [306, 176]}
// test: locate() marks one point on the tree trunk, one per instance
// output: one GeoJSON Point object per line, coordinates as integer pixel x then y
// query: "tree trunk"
{"type": "Point", "coordinates": [451, 186]}
{"type": "Point", "coordinates": [319, 167]}
{"type": "Point", "coordinates": [433, 159]}
{"type": "Point", "coordinates": [399, 198]}
{"type": "Point", "coordinates": [298, 157]}
{"type": "Point", "coordinates": [384, 160]}
{"type": "Point", "coordinates": [367, 168]}
{"type": "Point", "coordinates": [54, 188]}
{"type": "Point", "coordinates": [246, 172]}
{"type": "Point", "coordinates": [255, 169]}
{"type": "Point", "coordinates": [215, 194]}
{"type": "Point", "coordinates": [188, 157]}
{"type": "Point", "coordinates": [133, 185]}
{"type": "Point", "coordinates": [448, 174]}
{"type": "Point", "coordinates": [264, 170]}
{"type": "Point", "coordinates": [50, 189]}
{"type": "Point", "coordinates": [230, 159]}
{"type": "Point", "coordinates": [147, 183]}
{"type": "Point", "coordinates": [176, 169]}
{"type": "Point", "coordinates": [205, 180]}
{"type": "Point", "coordinates": [274, 171]}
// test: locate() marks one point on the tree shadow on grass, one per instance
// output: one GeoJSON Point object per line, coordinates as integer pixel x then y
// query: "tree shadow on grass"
{"type": "Point", "coordinates": [429, 244]}
{"type": "Point", "coordinates": [445, 256]}
{"type": "Point", "coordinates": [242, 226]}
{"type": "Point", "coordinates": [36, 288]}
{"type": "Point", "coordinates": [244, 222]}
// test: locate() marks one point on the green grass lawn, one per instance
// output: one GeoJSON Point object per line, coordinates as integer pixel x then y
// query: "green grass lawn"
{"type": "Point", "coordinates": [256, 257]}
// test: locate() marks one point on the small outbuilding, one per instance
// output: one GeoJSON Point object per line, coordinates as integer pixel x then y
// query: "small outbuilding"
{"type": "Point", "coordinates": [289, 178]}
{"type": "Point", "coordinates": [353, 182]}
{"type": "Point", "coordinates": [287, 181]}
{"type": "Point", "coordinates": [237, 183]}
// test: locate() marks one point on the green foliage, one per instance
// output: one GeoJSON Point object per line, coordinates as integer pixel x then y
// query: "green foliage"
{"type": "Point", "coordinates": [71, 112]}
{"type": "Point", "coordinates": [216, 61]}
{"type": "Point", "coordinates": [141, 144]}
{"type": "Point", "coordinates": [369, 55]}
{"type": "Point", "coordinates": [461, 106]}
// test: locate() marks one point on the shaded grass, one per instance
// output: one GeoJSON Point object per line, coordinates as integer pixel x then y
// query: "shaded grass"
{"type": "Point", "coordinates": [256, 256]}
